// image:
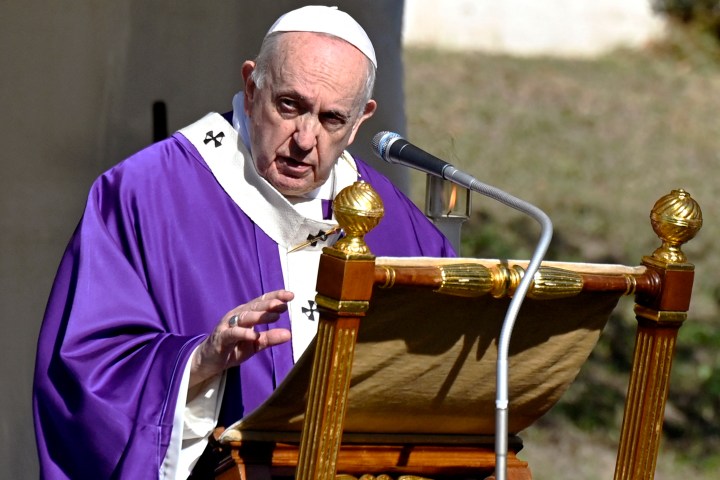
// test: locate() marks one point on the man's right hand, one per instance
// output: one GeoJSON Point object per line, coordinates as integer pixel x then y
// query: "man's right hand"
{"type": "Point", "coordinates": [234, 339]}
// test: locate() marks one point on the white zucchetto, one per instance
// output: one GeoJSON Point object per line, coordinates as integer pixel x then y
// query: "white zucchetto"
{"type": "Point", "coordinates": [329, 20]}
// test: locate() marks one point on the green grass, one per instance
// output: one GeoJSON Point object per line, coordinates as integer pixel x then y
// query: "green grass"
{"type": "Point", "coordinates": [594, 143]}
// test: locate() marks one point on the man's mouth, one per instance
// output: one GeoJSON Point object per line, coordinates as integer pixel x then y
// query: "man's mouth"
{"type": "Point", "coordinates": [292, 165]}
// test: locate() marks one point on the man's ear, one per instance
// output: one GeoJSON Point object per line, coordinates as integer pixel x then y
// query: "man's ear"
{"type": "Point", "coordinates": [368, 112]}
{"type": "Point", "coordinates": [249, 91]}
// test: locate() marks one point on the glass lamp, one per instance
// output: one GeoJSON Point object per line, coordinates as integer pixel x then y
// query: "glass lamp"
{"type": "Point", "coordinates": [448, 206]}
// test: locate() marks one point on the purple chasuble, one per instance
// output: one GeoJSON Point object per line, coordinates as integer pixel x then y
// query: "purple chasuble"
{"type": "Point", "coordinates": [160, 255]}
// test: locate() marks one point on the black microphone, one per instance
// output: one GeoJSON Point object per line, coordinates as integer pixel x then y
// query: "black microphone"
{"type": "Point", "coordinates": [392, 148]}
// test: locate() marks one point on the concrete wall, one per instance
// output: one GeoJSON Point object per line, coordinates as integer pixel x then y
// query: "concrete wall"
{"type": "Point", "coordinates": [577, 28]}
{"type": "Point", "coordinates": [77, 83]}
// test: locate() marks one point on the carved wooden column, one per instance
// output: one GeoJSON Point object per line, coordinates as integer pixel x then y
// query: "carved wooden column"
{"type": "Point", "coordinates": [345, 281]}
{"type": "Point", "coordinates": [676, 218]}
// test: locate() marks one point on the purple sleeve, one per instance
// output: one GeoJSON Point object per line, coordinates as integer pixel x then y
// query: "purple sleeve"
{"type": "Point", "coordinates": [160, 255]}
{"type": "Point", "coordinates": [108, 370]}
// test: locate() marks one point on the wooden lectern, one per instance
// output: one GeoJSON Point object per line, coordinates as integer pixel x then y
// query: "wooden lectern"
{"type": "Point", "coordinates": [400, 381]}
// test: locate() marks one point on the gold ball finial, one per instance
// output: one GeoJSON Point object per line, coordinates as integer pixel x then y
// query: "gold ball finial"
{"type": "Point", "coordinates": [675, 218]}
{"type": "Point", "coordinates": [358, 209]}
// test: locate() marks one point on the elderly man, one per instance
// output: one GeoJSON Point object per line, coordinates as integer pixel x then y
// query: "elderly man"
{"type": "Point", "coordinates": [173, 306]}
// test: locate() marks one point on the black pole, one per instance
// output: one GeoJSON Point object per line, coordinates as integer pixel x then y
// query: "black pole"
{"type": "Point", "coordinates": [159, 114]}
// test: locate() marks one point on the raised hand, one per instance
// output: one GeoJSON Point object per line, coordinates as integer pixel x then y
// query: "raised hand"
{"type": "Point", "coordinates": [234, 338]}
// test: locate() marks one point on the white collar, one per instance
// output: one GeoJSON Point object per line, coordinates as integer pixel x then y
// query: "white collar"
{"type": "Point", "coordinates": [232, 166]}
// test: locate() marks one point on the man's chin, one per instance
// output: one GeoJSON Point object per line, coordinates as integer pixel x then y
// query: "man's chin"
{"type": "Point", "coordinates": [293, 187]}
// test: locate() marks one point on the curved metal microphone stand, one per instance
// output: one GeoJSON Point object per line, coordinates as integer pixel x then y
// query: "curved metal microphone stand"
{"type": "Point", "coordinates": [425, 162]}
{"type": "Point", "coordinates": [458, 177]}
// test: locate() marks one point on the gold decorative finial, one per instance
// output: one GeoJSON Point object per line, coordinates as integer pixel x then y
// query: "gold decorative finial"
{"type": "Point", "coordinates": [358, 209]}
{"type": "Point", "coordinates": [675, 218]}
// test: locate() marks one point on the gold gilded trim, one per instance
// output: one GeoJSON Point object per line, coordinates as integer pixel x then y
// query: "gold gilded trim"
{"type": "Point", "coordinates": [358, 209]}
{"type": "Point", "coordinates": [663, 264]}
{"type": "Point", "coordinates": [334, 252]}
{"type": "Point", "coordinates": [473, 280]}
{"type": "Point", "coordinates": [645, 406]}
{"type": "Point", "coordinates": [661, 317]}
{"type": "Point", "coordinates": [390, 276]}
{"type": "Point", "coordinates": [327, 402]}
{"type": "Point", "coordinates": [676, 218]}
{"type": "Point", "coordinates": [343, 306]}
{"type": "Point", "coordinates": [551, 282]}
{"type": "Point", "coordinates": [465, 280]}
{"type": "Point", "coordinates": [382, 476]}
{"type": "Point", "coordinates": [631, 282]}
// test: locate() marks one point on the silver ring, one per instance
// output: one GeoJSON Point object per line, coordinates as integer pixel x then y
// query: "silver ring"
{"type": "Point", "coordinates": [233, 321]}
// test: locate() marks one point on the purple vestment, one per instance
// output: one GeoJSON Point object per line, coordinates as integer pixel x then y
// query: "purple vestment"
{"type": "Point", "coordinates": [160, 255]}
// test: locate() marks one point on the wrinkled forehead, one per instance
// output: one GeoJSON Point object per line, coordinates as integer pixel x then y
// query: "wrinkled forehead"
{"type": "Point", "coordinates": [311, 64]}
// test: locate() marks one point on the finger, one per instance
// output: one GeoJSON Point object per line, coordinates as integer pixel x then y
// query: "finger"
{"type": "Point", "coordinates": [282, 295]}
{"type": "Point", "coordinates": [249, 319]}
{"type": "Point", "coordinates": [269, 303]}
{"type": "Point", "coordinates": [272, 302]}
{"type": "Point", "coordinates": [246, 317]}
{"type": "Point", "coordinates": [272, 337]}
{"type": "Point", "coordinates": [237, 319]}
{"type": "Point", "coordinates": [264, 309]}
{"type": "Point", "coordinates": [238, 335]}
{"type": "Point", "coordinates": [248, 342]}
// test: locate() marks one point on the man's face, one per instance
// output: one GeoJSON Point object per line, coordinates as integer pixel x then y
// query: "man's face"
{"type": "Point", "coordinates": [307, 112]}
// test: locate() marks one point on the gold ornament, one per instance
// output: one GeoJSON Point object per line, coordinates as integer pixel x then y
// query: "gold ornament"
{"type": "Point", "coordinates": [358, 209]}
{"type": "Point", "coordinates": [675, 218]}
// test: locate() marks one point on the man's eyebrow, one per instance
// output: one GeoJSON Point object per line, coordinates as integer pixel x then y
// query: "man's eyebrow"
{"type": "Point", "coordinates": [343, 115]}
{"type": "Point", "coordinates": [288, 93]}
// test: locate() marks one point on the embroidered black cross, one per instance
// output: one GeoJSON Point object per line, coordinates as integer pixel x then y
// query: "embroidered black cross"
{"type": "Point", "coordinates": [209, 137]}
{"type": "Point", "coordinates": [313, 239]}
{"type": "Point", "coordinates": [310, 312]}
{"type": "Point", "coordinates": [321, 236]}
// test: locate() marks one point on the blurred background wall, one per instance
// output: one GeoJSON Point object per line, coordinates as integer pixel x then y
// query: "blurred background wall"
{"type": "Point", "coordinates": [77, 85]}
{"type": "Point", "coordinates": [568, 28]}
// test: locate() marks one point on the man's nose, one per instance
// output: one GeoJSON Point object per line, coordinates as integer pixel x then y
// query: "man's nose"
{"type": "Point", "coordinates": [306, 132]}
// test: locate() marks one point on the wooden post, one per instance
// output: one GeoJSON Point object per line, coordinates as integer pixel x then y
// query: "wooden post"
{"type": "Point", "coordinates": [676, 218]}
{"type": "Point", "coordinates": [345, 280]}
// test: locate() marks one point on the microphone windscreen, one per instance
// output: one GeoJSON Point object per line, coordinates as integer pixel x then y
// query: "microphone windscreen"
{"type": "Point", "coordinates": [380, 143]}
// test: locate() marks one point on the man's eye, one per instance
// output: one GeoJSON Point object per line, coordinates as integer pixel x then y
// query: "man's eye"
{"type": "Point", "coordinates": [287, 105]}
{"type": "Point", "coordinates": [334, 121]}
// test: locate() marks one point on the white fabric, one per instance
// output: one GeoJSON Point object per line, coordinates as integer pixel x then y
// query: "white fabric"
{"type": "Point", "coordinates": [200, 418]}
{"type": "Point", "coordinates": [330, 20]}
{"type": "Point", "coordinates": [300, 268]}
{"type": "Point", "coordinates": [193, 422]}
{"type": "Point", "coordinates": [170, 467]}
{"type": "Point", "coordinates": [265, 206]}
